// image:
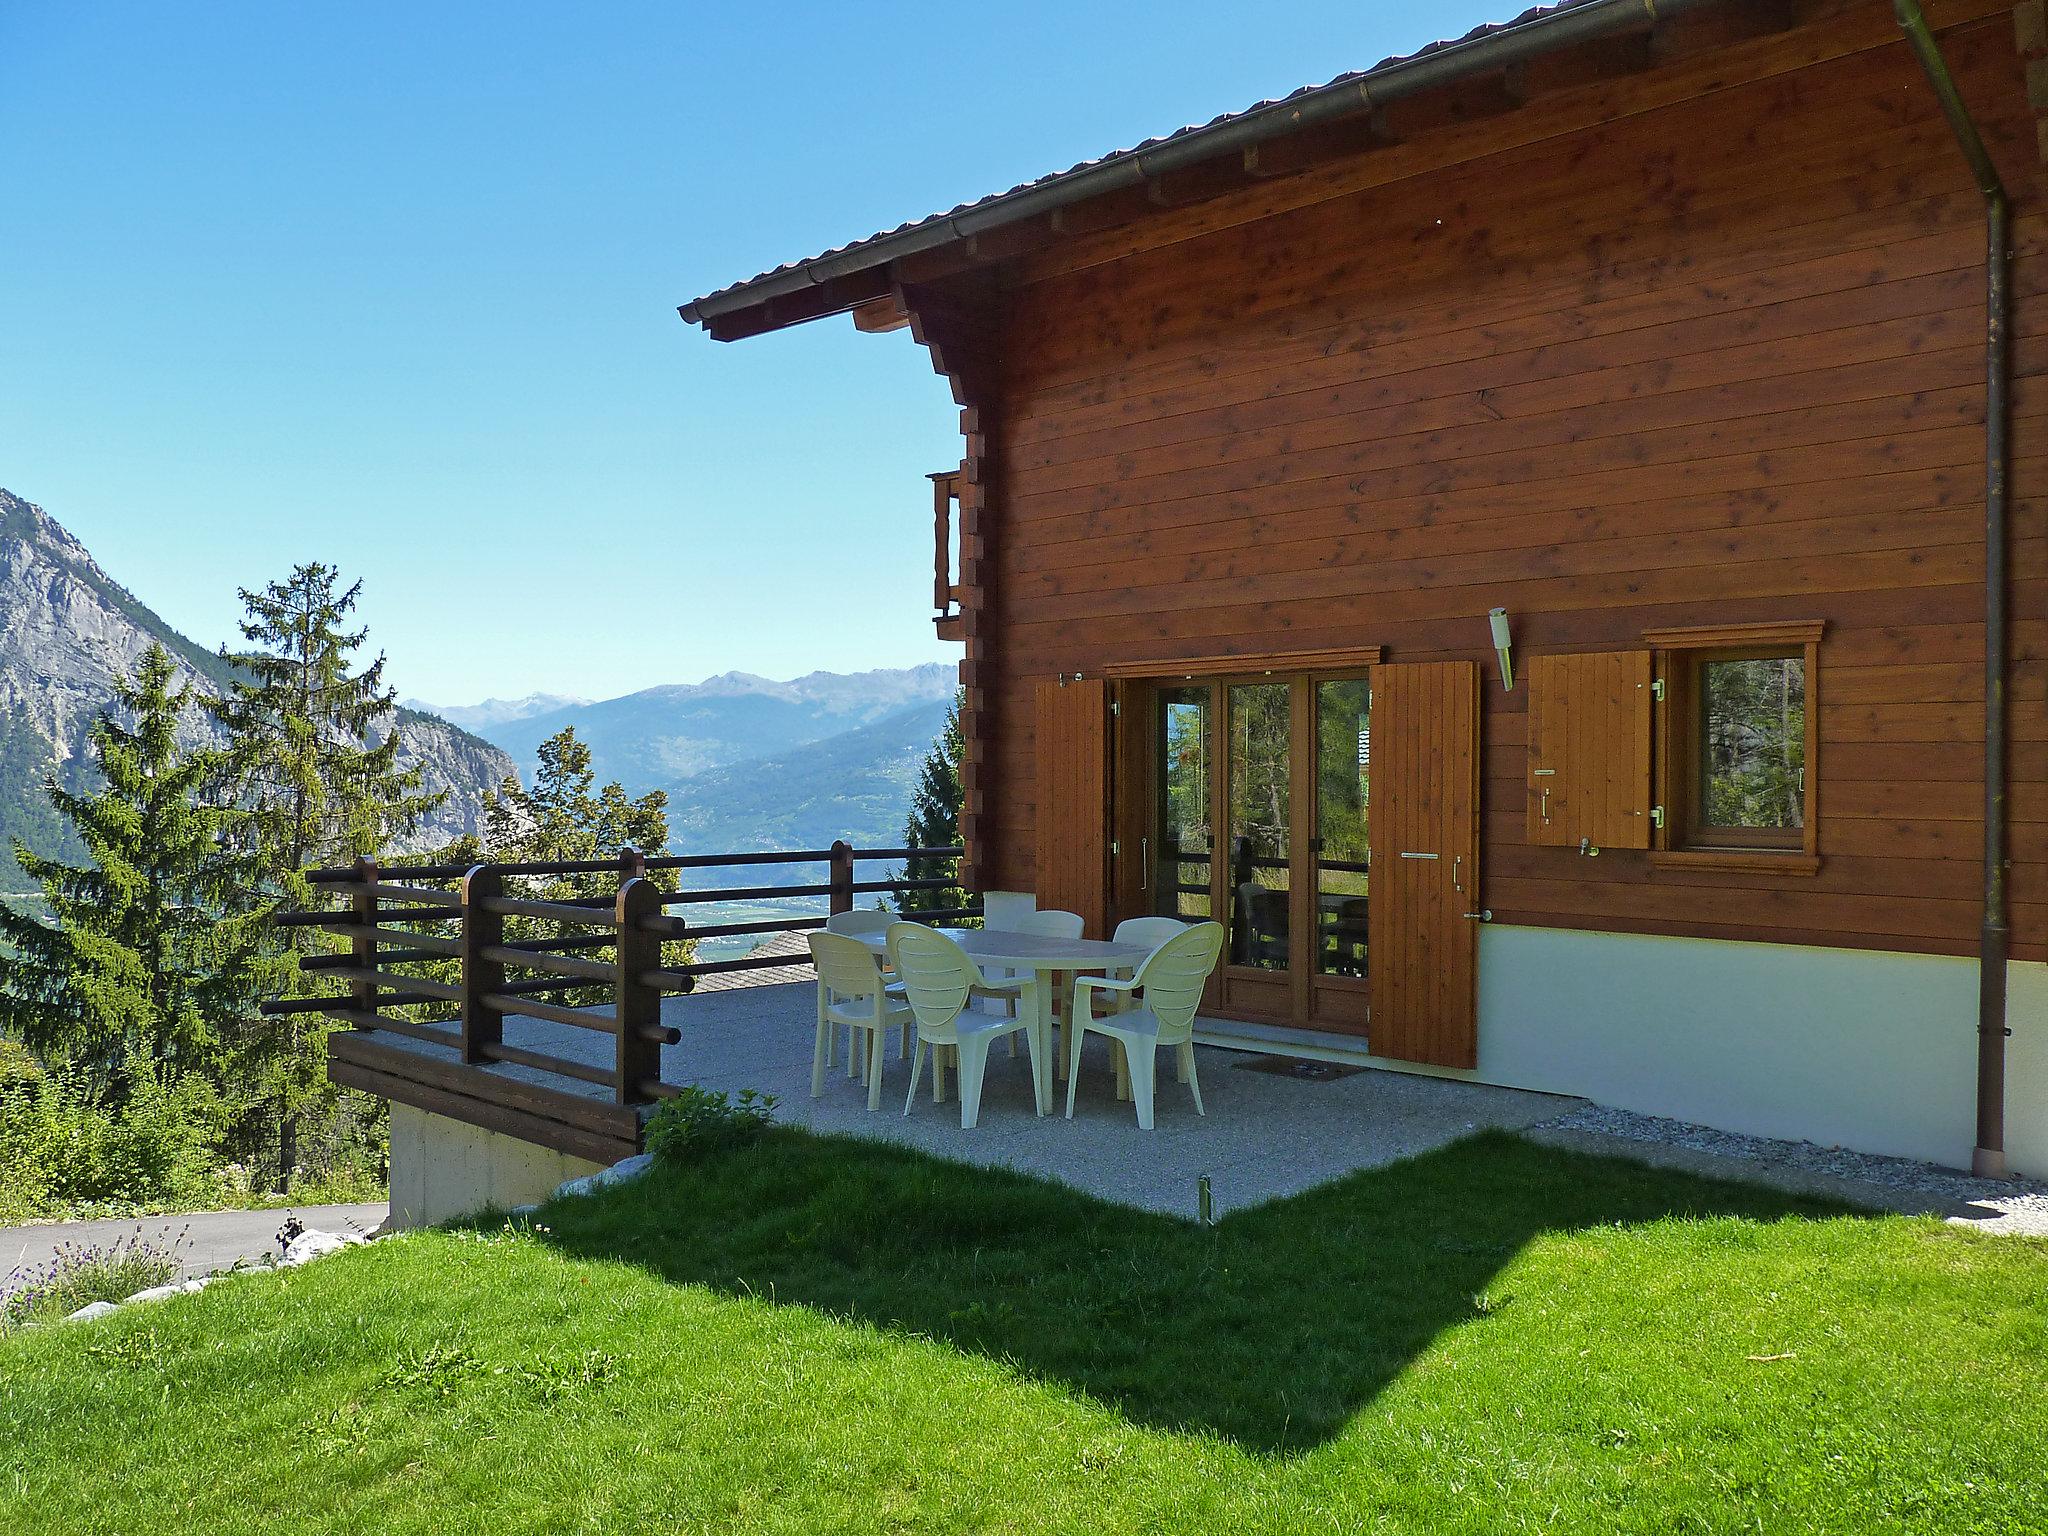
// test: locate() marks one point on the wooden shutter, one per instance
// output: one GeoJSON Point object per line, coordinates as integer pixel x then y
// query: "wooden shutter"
{"type": "Point", "coordinates": [1073, 800]}
{"type": "Point", "coordinates": [1589, 749]}
{"type": "Point", "coordinates": [1422, 954]}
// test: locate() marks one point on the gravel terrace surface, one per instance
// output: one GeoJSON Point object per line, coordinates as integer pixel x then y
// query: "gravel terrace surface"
{"type": "Point", "coordinates": [1886, 1183]}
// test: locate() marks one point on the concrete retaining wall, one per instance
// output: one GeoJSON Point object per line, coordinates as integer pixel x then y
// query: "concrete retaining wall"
{"type": "Point", "coordinates": [442, 1168]}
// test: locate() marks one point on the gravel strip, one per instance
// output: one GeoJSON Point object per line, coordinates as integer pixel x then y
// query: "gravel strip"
{"type": "Point", "coordinates": [1891, 1183]}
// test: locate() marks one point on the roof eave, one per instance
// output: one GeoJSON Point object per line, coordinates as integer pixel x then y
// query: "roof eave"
{"type": "Point", "coordinates": [1376, 88]}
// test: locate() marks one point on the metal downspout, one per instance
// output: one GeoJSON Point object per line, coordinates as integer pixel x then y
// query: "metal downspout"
{"type": "Point", "coordinates": [1995, 936]}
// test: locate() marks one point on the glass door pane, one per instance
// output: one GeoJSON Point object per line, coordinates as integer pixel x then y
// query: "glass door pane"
{"type": "Point", "coordinates": [1178, 876]}
{"type": "Point", "coordinates": [1261, 819]}
{"type": "Point", "coordinates": [1341, 848]}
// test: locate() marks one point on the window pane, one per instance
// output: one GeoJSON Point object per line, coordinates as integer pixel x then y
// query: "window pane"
{"type": "Point", "coordinates": [1180, 868]}
{"type": "Point", "coordinates": [1753, 743]}
{"type": "Point", "coordinates": [1260, 815]}
{"type": "Point", "coordinates": [1342, 726]}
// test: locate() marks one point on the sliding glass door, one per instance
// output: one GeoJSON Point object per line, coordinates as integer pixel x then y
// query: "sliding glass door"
{"type": "Point", "coordinates": [1340, 845]}
{"type": "Point", "coordinates": [1179, 848]}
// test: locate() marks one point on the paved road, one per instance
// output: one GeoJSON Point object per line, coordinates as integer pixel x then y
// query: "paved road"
{"type": "Point", "coordinates": [212, 1239]}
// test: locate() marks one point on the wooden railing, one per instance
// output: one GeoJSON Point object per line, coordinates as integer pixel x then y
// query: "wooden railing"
{"type": "Point", "coordinates": [587, 952]}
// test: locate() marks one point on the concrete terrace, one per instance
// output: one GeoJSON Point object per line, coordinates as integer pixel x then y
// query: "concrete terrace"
{"type": "Point", "coordinates": [1266, 1134]}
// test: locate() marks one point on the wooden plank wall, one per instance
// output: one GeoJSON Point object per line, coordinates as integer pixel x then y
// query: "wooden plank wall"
{"type": "Point", "coordinates": [1716, 357]}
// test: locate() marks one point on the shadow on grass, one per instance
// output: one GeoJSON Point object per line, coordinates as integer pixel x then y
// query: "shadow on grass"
{"type": "Point", "coordinates": [1270, 1329]}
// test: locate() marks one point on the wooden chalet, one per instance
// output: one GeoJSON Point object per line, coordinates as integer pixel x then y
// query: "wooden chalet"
{"type": "Point", "coordinates": [1693, 348]}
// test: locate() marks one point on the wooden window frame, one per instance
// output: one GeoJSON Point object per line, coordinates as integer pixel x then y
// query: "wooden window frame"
{"type": "Point", "coordinates": [1682, 843]}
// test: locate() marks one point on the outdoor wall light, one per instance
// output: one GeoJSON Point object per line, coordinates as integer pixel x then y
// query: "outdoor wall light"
{"type": "Point", "coordinates": [1498, 619]}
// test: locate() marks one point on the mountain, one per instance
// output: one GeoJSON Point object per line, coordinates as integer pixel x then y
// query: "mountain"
{"type": "Point", "coordinates": [659, 735]}
{"type": "Point", "coordinates": [856, 785]}
{"type": "Point", "coordinates": [68, 630]}
{"type": "Point", "coordinates": [476, 717]}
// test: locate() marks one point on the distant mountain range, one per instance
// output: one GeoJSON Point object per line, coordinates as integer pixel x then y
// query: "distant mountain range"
{"type": "Point", "coordinates": [474, 717]}
{"type": "Point", "coordinates": [856, 785]}
{"type": "Point", "coordinates": [752, 763]}
{"type": "Point", "coordinates": [68, 630]}
{"type": "Point", "coordinates": [659, 736]}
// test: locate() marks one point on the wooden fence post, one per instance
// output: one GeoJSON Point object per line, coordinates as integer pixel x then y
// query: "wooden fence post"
{"type": "Point", "coordinates": [842, 877]}
{"type": "Point", "coordinates": [637, 1005]}
{"type": "Point", "coordinates": [362, 944]}
{"type": "Point", "coordinates": [632, 865]}
{"type": "Point", "coordinates": [481, 1024]}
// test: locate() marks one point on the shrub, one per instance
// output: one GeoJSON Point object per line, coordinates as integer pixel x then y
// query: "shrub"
{"type": "Point", "coordinates": [62, 1144]}
{"type": "Point", "coordinates": [699, 1120]}
{"type": "Point", "coordinates": [81, 1274]}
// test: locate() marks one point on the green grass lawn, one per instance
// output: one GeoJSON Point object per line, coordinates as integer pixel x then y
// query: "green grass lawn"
{"type": "Point", "coordinates": [822, 1335]}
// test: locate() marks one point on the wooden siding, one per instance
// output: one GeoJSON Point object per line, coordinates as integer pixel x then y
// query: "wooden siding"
{"type": "Point", "coordinates": [1702, 345]}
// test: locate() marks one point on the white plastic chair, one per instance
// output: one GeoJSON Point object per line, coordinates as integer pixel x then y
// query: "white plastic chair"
{"type": "Point", "coordinates": [1051, 923]}
{"type": "Point", "coordinates": [1172, 978]}
{"type": "Point", "coordinates": [1148, 931]}
{"type": "Point", "coordinates": [1047, 923]}
{"type": "Point", "coordinates": [851, 992]}
{"type": "Point", "coordinates": [1001, 909]}
{"type": "Point", "coordinates": [941, 978]}
{"type": "Point", "coordinates": [859, 924]}
{"type": "Point", "coordinates": [1151, 932]}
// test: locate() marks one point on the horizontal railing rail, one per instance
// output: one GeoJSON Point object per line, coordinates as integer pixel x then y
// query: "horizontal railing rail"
{"type": "Point", "coordinates": [575, 942]}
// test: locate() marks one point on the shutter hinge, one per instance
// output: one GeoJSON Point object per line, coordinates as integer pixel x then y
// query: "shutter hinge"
{"type": "Point", "coordinates": [1657, 689]}
{"type": "Point", "coordinates": [1657, 817]}
{"type": "Point", "coordinates": [1115, 850]}
{"type": "Point", "coordinates": [1116, 708]}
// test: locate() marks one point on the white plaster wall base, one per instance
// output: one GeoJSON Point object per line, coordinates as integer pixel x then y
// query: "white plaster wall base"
{"type": "Point", "coordinates": [442, 1169]}
{"type": "Point", "coordinates": [1872, 1050]}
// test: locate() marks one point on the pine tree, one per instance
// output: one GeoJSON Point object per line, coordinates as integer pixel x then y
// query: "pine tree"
{"type": "Point", "coordinates": [314, 786]}
{"type": "Point", "coordinates": [561, 820]}
{"type": "Point", "coordinates": [152, 947]}
{"type": "Point", "coordinates": [935, 820]}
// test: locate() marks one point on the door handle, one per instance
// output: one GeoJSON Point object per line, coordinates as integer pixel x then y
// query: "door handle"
{"type": "Point", "coordinates": [1484, 915]}
{"type": "Point", "coordinates": [1421, 855]}
{"type": "Point", "coordinates": [1144, 863]}
{"type": "Point", "coordinates": [1458, 873]}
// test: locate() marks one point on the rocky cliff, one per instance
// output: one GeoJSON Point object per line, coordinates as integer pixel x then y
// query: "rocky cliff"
{"type": "Point", "coordinates": [68, 630]}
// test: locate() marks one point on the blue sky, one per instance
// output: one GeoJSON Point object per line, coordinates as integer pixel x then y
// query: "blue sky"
{"type": "Point", "coordinates": [394, 286]}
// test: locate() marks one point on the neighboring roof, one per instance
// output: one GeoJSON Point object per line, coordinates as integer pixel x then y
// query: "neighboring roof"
{"type": "Point", "coordinates": [1484, 48]}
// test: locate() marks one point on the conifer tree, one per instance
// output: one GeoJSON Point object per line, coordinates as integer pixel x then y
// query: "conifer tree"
{"type": "Point", "coordinates": [315, 786]}
{"type": "Point", "coordinates": [151, 947]}
{"type": "Point", "coordinates": [935, 820]}
{"type": "Point", "coordinates": [561, 819]}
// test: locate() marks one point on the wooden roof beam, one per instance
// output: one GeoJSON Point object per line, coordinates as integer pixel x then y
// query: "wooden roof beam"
{"type": "Point", "coordinates": [877, 315]}
{"type": "Point", "coordinates": [1197, 183]}
{"type": "Point", "coordinates": [828, 298]}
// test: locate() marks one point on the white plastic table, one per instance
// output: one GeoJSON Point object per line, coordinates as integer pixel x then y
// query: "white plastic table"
{"type": "Point", "coordinates": [1046, 958]}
